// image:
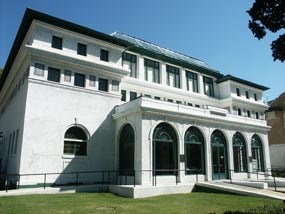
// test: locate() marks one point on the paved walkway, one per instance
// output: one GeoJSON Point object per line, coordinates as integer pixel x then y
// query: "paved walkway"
{"type": "Point", "coordinates": [243, 190]}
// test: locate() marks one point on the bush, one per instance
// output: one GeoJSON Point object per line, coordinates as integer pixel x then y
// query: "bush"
{"type": "Point", "coordinates": [261, 210]}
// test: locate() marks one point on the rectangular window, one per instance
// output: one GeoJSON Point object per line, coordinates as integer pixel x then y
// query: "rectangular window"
{"type": "Point", "coordinates": [53, 74]}
{"type": "Point", "coordinates": [246, 95]}
{"type": "Point", "coordinates": [208, 86]}
{"type": "Point", "coordinates": [256, 115]}
{"type": "Point", "coordinates": [170, 100]}
{"type": "Point", "coordinates": [197, 106]}
{"type": "Point", "coordinates": [123, 93]}
{"type": "Point", "coordinates": [130, 62]}
{"type": "Point", "coordinates": [104, 55]}
{"type": "Point", "coordinates": [56, 42]}
{"type": "Point", "coordinates": [151, 71]}
{"type": "Point", "coordinates": [239, 111]}
{"type": "Point", "coordinates": [255, 97]}
{"type": "Point", "coordinates": [133, 95]}
{"type": "Point", "coordinates": [238, 92]}
{"type": "Point", "coordinates": [103, 84]}
{"type": "Point", "coordinates": [79, 80]}
{"type": "Point", "coordinates": [178, 102]}
{"type": "Point", "coordinates": [248, 113]}
{"type": "Point", "coordinates": [92, 80]}
{"type": "Point", "coordinates": [115, 85]}
{"type": "Point", "coordinates": [189, 104]}
{"type": "Point", "coordinates": [192, 81]}
{"type": "Point", "coordinates": [81, 49]}
{"type": "Point", "coordinates": [67, 75]}
{"type": "Point", "coordinates": [157, 98]}
{"type": "Point", "coordinates": [39, 69]}
{"type": "Point", "coordinates": [173, 76]}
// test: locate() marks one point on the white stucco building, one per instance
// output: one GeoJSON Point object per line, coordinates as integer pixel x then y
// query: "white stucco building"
{"type": "Point", "coordinates": [74, 99]}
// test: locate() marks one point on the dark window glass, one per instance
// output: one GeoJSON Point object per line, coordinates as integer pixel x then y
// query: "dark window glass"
{"type": "Point", "coordinates": [170, 100]}
{"type": "Point", "coordinates": [189, 104]}
{"type": "Point", "coordinates": [151, 71]}
{"type": "Point", "coordinates": [103, 84]}
{"type": "Point", "coordinates": [238, 92]}
{"type": "Point", "coordinates": [92, 80]}
{"type": "Point", "coordinates": [246, 94]}
{"type": "Point", "coordinates": [56, 42]}
{"type": "Point", "coordinates": [248, 113]}
{"type": "Point", "coordinates": [130, 61]}
{"type": "Point", "coordinates": [104, 55]}
{"type": "Point", "coordinates": [127, 150]}
{"type": "Point", "coordinates": [67, 75]}
{"type": "Point", "coordinates": [256, 115]}
{"type": "Point", "coordinates": [53, 74]}
{"type": "Point", "coordinates": [133, 95]}
{"type": "Point", "coordinates": [192, 81]}
{"type": "Point", "coordinates": [82, 49]}
{"type": "Point", "coordinates": [75, 141]}
{"type": "Point", "coordinates": [255, 97]}
{"type": "Point", "coordinates": [257, 154]}
{"type": "Point", "coordinates": [173, 76]}
{"type": "Point", "coordinates": [123, 93]}
{"type": "Point", "coordinates": [178, 102]}
{"type": "Point", "coordinates": [79, 80]}
{"type": "Point", "coordinates": [208, 86]}
{"type": "Point", "coordinates": [239, 111]}
{"type": "Point", "coordinates": [157, 98]}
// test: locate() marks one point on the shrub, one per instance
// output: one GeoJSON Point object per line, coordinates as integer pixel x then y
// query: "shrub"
{"type": "Point", "coordinates": [261, 210]}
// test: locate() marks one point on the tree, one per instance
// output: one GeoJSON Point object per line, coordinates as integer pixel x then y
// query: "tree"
{"type": "Point", "coordinates": [269, 15]}
{"type": "Point", "coordinates": [1, 70]}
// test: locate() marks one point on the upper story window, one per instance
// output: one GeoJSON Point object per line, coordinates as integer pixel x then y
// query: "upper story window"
{"type": "Point", "coordinates": [238, 92]}
{"type": "Point", "coordinates": [79, 80]}
{"type": "Point", "coordinates": [81, 49]}
{"type": "Point", "coordinates": [103, 84]}
{"type": "Point", "coordinates": [67, 75]}
{"type": "Point", "coordinates": [255, 97]}
{"type": "Point", "coordinates": [92, 80]}
{"type": "Point", "coordinates": [39, 69]}
{"type": "Point", "coordinates": [192, 81]}
{"type": "Point", "coordinates": [123, 93]}
{"type": "Point", "coordinates": [56, 42]}
{"type": "Point", "coordinates": [248, 113]}
{"type": "Point", "coordinates": [246, 94]}
{"type": "Point", "coordinates": [208, 86]}
{"type": "Point", "coordinates": [53, 74]}
{"type": "Point", "coordinates": [130, 61]}
{"type": "Point", "coordinates": [151, 71]}
{"type": "Point", "coordinates": [104, 55]}
{"type": "Point", "coordinates": [239, 111]}
{"type": "Point", "coordinates": [133, 95]}
{"type": "Point", "coordinates": [173, 76]}
{"type": "Point", "coordinates": [115, 85]}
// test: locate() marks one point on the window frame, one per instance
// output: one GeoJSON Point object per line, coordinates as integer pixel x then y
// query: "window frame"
{"type": "Point", "coordinates": [210, 82]}
{"type": "Point", "coordinates": [104, 55]}
{"type": "Point", "coordinates": [176, 72]}
{"type": "Point", "coordinates": [39, 69]}
{"type": "Point", "coordinates": [132, 59]}
{"type": "Point", "coordinates": [100, 81]}
{"type": "Point", "coordinates": [154, 65]}
{"type": "Point", "coordinates": [194, 77]}
{"type": "Point", "coordinates": [57, 42]}
{"type": "Point", "coordinates": [81, 49]}
{"type": "Point", "coordinates": [53, 77]}
{"type": "Point", "coordinates": [77, 82]}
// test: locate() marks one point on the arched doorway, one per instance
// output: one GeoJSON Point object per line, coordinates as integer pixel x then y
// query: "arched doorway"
{"type": "Point", "coordinates": [126, 151]}
{"type": "Point", "coordinates": [239, 153]}
{"type": "Point", "coordinates": [194, 151]}
{"type": "Point", "coordinates": [219, 155]}
{"type": "Point", "coordinates": [257, 154]}
{"type": "Point", "coordinates": [164, 150]}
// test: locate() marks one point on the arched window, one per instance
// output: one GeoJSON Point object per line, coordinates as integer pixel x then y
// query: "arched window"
{"type": "Point", "coordinates": [257, 154]}
{"type": "Point", "coordinates": [164, 150]}
{"type": "Point", "coordinates": [239, 152]}
{"type": "Point", "coordinates": [219, 155]}
{"type": "Point", "coordinates": [126, 151]}
{"type": "Point", "coordinates": [194, 151]}
{"type": "Point", "coordinates": [75, 141]}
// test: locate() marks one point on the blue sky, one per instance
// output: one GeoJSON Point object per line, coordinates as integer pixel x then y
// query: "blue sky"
{"type": "Point", "coordinates": [214, 31]}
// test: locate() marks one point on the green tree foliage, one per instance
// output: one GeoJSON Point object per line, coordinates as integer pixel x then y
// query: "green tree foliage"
{"type": "Point", "coordinates": [269, 15]}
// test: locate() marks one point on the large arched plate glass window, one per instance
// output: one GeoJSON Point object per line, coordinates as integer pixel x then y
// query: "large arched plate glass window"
{"type": "Point", "coordinates": [239, 152]}
{"type": "Point", "coordinates": [194, 152]}
{"type": "Point", "coordinates": [75, 141]}
{"type": "Point", "coordinates": [164, 150]}
{"type": "Point", "coordinates": [257, 154]}
{"type": "Point", "coordinates": [126, 151]}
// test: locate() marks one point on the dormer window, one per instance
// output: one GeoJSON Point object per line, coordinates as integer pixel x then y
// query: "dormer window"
{"type": "Point", "coordinates": [56, 42]}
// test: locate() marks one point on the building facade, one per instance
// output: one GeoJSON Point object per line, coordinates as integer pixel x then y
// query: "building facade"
{"type": "Point", "coordinates": [74, 99]}
{"type": "Point", "coordinates": [275, 116]}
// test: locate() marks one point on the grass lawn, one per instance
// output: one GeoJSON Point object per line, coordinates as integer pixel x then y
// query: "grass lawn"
{"type": "Point", "coordinates": [108, 203]}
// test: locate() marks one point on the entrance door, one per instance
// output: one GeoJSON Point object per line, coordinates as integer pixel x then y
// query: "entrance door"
{"type": "Point", "coordinates": [219, 162]}
{"type": "Point", "coordinates": [219, 155]}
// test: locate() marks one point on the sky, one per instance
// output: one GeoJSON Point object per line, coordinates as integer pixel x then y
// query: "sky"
{"type": "Point", "coordinates": [213, 31]}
